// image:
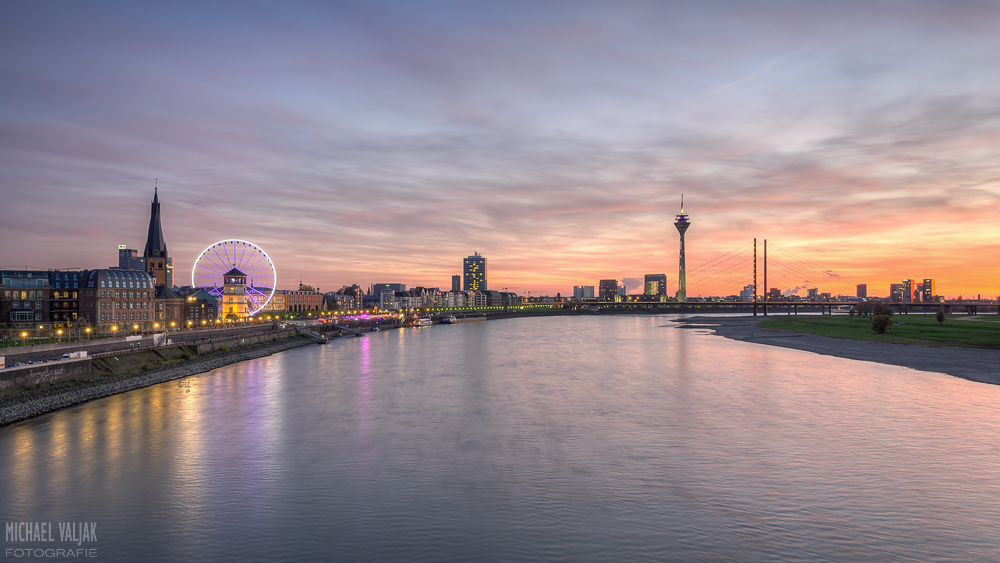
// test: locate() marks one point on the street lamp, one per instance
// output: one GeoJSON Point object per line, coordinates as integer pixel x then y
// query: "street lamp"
{"type": "Point", "coordinates": [59, 332]}
{"type": "Point", "coordinates": [88, 332]}
{"type": "Point", "coordinates": [114, 331]}
{"type": "Point", "coordinates": [23, 336]}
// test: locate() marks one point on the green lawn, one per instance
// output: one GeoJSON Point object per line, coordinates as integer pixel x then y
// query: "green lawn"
{"type": "Point", "coordinates": [982, 332]}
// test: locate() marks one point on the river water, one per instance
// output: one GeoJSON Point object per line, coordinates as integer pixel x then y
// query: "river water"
{"type": "Point", "coordinates": [616, 438]}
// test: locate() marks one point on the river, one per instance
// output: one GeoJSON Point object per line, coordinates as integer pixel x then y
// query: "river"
{"type": "Point", "coordinates": [612, 438]}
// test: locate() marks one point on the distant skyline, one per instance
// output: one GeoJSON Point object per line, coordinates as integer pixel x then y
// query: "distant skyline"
{"type": "Point", "coordinates": [387, 141]}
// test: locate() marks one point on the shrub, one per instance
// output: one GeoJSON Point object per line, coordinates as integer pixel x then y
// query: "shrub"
{"type": "Point", "coordinates": [881, 323]}
{"type": "Point", "coordinates": [883, 309]}
{"type": "Point", "coordinates": [144, 367]}
{"type": "Point", "coordinates": [939, 316]}
{"type": "Point", "coordinates": [185, 356]}
{"type": "Point", "coordinates": [223, 348]}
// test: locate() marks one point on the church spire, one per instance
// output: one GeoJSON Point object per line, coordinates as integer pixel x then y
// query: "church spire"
{"type": "Point", "coordinates": [155, 245]}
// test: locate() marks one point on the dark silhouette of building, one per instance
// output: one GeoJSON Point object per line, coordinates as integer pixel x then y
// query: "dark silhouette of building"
{"type": "Point", "coordinates": [863, 290]}
{"type": "Point", "coordinates": [456, 283]}
{"type": "Point", "coordinates": [474, 269]}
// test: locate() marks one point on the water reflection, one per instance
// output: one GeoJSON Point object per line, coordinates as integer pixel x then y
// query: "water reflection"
{"type": "Point", "coordinates": [570, 439]}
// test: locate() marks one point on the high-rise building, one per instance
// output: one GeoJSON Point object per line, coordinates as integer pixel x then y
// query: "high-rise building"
{"type": "Point", "coordinates": [607, 290]}
{"type": "Point", "coordinates": [929, 290]}
{"type": "Point", "coordinates": [896, 292]}
{"type": "Point", "coordinates": [474, 269]}
{"type": "Point", "coordinates": [379, 287]}
{"type": "Point", "coordinates": [155, 253]}
{"type": "Point", "coordinates": [812, 294]}
{"type": "Point", "coordinates": [655, 284]}
{"type": "Point", "coordinates": [682, 223]}
{"type": "Point", "coordinates": [863, 290]}
{"type": "Point", "coordinates": [746, 294]}
{"type": "Point", "coordinates": [907, 291]}
{"type": "Point", "coordinates": [583, 291]}
{"type": "Point", "coordinates": [129, 259]}
{"type": "Point", "coordinates": [456, 283]}
{"type": "Point", "coordinates": [774, 294]}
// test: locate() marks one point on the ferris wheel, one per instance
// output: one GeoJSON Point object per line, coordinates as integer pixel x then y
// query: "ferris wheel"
{"type": "Point", "coordinates": [221, 257]}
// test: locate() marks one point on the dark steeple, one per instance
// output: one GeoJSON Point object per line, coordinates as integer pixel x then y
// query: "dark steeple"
{"type": "Point", "coordinates": [155, 245]}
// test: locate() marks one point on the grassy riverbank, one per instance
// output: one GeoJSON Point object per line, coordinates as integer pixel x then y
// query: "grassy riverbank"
{"type": "Point", "coordinates": [960, 331]}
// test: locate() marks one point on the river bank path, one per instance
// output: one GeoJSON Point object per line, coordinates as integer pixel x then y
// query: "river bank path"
{"type": "Point", "coordinates": [968, 363]}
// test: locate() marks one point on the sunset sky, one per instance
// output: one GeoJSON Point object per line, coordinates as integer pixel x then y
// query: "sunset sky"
{"type": "Point", "coordinates": [383, 142]}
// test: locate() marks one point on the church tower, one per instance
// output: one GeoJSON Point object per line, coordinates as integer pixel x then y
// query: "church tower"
{"type": "Point", "coordinates": [156, 248]}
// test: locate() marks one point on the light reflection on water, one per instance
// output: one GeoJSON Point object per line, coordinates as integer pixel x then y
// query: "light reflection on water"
{"type": "Point", "coordinates": [565, 439]}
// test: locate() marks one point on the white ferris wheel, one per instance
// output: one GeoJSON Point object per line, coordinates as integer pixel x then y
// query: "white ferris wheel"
{"type": "Point", "coordinates": [221, 257]}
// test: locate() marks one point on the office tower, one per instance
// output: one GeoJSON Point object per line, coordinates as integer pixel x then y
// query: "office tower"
{"type": "Point", "coordinates": [863, 290]}
{"type": "Point", "coordinates": [379, 287]}
{"type": "Point", "coordinates": [474, 269]}
{"type": "Point", "coordinates": [456, 283]}
{"type": "Point", "coordinates": [682, 223]}
{"type": "Point", "coordinates": [129, 259]}
{"type": "Point", "coordinates": [607, 289]}
{"type": "Point", "coordinates": [655, 284]}
{"type": "Point", "coordinates": [907, 291]}
{"type": "Point", "coordinates": [583, 291]}
{"type": "Point", "coordinates": [929, 290]}
{"type": "Point", "coordinates": [896, 292]}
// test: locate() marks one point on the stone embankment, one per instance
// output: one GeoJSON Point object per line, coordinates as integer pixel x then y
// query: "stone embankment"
{"type": "Point", "coordinates": [14, 408]}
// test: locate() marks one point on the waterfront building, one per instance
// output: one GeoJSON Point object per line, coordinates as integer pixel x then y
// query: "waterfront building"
{"type": "Point", "coordinates": [583, 291]}
{"type": "Point", "coordinates": [155, 252]}
{"type": "Point", "coordinates": [682, 223]}
{"type": "Point", "coordinates": [456, 283]}
{"type": "Point", "coordinates": [478, 299]}
{"type": "Point", "coordinates": [119, 298]}
{"type": "Point", "coordinates": [746, 294]}
{"type": "Point", "coordinates": [607, 290]}
{"type": "Point", "coordinates": [455, 299]}
{"type": "Point", "coordinates": [774, 294]}
{"type": "Point", "coordinates": [276, 305]}
{"type": "Point", "coordinates": [812, 294]}
{"type": "Point", "coordinates": [929, 290]}
{"type": "Point", "coordinates": [863, 290]}
{"type": "Point", "coordinates": [199, 308]}
{"type": "Point", "coordinates": [306, 300]}
{"type": "Point", "coordinates": [25, 298]}
{"type": "Point", "coordinates": [387, 299]}
{"type": "Point", "coordinates": [234, 305]}
{"type": "Point", "coordinates": [474, 270]}
{"type": "Point", "coordinates": [655, 284]}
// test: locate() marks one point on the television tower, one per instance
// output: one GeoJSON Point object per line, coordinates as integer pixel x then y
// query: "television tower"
{"type": "Point", "coordinates": [682, 223]}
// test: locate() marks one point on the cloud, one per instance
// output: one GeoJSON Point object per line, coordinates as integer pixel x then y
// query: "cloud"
{"type": "Point", "coordinates": [375, 142]}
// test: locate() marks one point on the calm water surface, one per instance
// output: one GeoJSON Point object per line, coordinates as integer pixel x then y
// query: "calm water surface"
{"type": "Point", "coordinates": [563, 439]}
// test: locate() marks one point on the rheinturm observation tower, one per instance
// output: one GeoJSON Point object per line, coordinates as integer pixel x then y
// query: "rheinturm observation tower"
{"type": "Point", "coordinates": [682, 223]}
